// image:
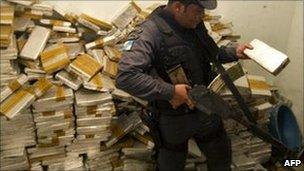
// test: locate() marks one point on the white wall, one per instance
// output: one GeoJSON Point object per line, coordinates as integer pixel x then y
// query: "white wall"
{"type": "Point", "coordinates": [278, 23]}
{"type": "Point", "coordinates": [291, 81]}
{"type": "Point", "coordinates": [268, 21]}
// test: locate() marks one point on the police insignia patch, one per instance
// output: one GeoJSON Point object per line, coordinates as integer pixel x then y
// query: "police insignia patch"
{"type": "Point", "coordinates": [128, 45]}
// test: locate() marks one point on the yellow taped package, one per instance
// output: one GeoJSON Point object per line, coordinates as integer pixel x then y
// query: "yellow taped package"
{"type": "Point", "coordinates": [103, 25]}
{"type": "Point", "coordinates": [100, 82]}
{"type": "Point", "coordinates": [59, 133]}
{"type": "Point", "coordinates": [28, 13]}
{"type": "Point", "coordinates": [208, 17]}
{"type": "Point", "coordinates": [68, 114]}
{"type": "Point", "coordinates": [89, 136]}
{"type": "Point", "coordinates": [113, 53]}
{"type": "Point", "coordinates": [85, 67]}
{"type": "Point", "coordinates": [125, 16]}
{"type": "Point", "coordinates": [30, 64]}
{"type": "Point", "coordinates": [136, 6]}
{"type": "Point", "coordinates": [260, 85]}
{"type": "Point", "coordinates": [55, 58]}
{"type": "Point", "coordinates": [145, 139]}
{"type": "Point", "coordinates": [100, 42]}
{"type": "Point", "coordinates": [6, 14]}
{"type": "Point", "coordinates": [58, 23]}
{"type": "Point", "coordinates": [91, 110]}
{"type": "Point", "coordinates": [106, 41]}
{"type": "Point", "coordinates": [5, 35]}
{"type": "Point", "coordinates": [235, 72]}
{"type": "Point", "coordinates": [110, 68]}
{"type": "Point", "coordinates": [16, 102]}
{"type": "Point", "coordinates": [41, 87]}
{"type": "Point", "coordinates": [6, 31]}
{"type": "Point", "coordinates": [13, 86]}
{"type": "Point", "coordinates": [55, 22]}
{"type": "Point", "coordinates": [71, 17]}
{"type": "Point", "coordinates": [57, 98]}
{"type": "Point", "coordinates": [60, 93]}
{"type": "Point", "coordinates": [127, 142]}
{"type": "Point", "coordinates": [95, 83]}
{"type": "Point", "coordinates": [62, 34]}
{"type": "Point", "coordinates": [117, 131]}
{"type": "Point", "coordinates": [54, 141]}
{"type": "Point", "coordinates": [48, 113]}
{"type": "Point", "coordinates": [221, 26]}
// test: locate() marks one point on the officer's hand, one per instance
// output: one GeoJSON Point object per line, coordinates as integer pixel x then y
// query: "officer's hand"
{"type": "Point", "coordinates": [240, 50]}
{"type": "Point", "coordinates": [181, 96]}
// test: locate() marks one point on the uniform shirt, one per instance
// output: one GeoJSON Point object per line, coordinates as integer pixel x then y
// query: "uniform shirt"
{"type": "Point", "coordinates": [136, 73]}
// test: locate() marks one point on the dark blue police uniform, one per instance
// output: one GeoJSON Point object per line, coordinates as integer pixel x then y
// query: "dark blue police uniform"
{"type": "Point", "coordinates": [156, 45]}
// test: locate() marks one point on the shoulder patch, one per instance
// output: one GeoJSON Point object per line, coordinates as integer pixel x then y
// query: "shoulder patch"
{"type": "Point", "coordinates": [128, 45]}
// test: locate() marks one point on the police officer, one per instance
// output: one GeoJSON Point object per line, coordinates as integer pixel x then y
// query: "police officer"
{"type": "Point", "coordinates": [163, 58]}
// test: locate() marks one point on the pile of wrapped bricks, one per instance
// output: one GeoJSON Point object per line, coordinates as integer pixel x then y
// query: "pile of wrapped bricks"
{"type": "Point", "coordinates": [60, 107]}
{"type": "Point", "coordinates": [248, 151]}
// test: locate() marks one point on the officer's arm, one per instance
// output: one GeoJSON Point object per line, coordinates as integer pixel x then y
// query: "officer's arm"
{"type": "Point", "coordinates": [225, 53]}
{"type": "Point", "coordinates": [134, 67]}
{"type": "Point", "coordinates": [228, 53]}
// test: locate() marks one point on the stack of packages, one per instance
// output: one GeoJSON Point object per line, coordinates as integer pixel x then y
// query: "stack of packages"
{"type": "Point", "coordinates": [8, 52]}
{"type": "Point", "coordinates": [54, 47]}
{"type": "Point", "coordinates": [137, 157]}
{"type": "Point", "coordinates": [94, 112]}
{"type": "Point", "coordinates": [57, 74]}
{"type": "Point", "coordinates": [16, 135]}
{"type": "Point", "coordinates": [127, 120]}
{"type": "Point", "coordinates": [248, 150]}
{"type": "Point", "coordinates": [6, 25]}
{"type": "Point", "coordinates": [106, 49]}
{"type": "Point", "coordinates": [128, 125]}
{"type": "Point", "coordinates": [220, 31]}
{"type": "Point", "coordinates": [54, 119]}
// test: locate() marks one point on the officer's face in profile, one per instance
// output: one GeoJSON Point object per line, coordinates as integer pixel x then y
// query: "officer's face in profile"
{"type": "Point", "coordinates": [189, 16]}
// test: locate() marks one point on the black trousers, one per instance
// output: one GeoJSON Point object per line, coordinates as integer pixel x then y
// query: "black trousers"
{"type": "Point", "coordinates": [208, 133]}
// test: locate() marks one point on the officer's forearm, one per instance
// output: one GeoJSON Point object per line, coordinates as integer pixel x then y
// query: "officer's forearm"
{"type": "Point", "coordinates": [144, 86]}
{"type": "Point", "coordinates": [228, 53]}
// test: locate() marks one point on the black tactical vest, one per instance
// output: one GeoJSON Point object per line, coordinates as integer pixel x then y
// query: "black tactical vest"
{"type": "Point", "coordinates": [193, 58]}
{"type": "Point", "coordinates": [175, 51]}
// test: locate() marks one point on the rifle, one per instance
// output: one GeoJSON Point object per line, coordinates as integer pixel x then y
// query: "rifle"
{"type": "Point", "coordinates": [209, 102]}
